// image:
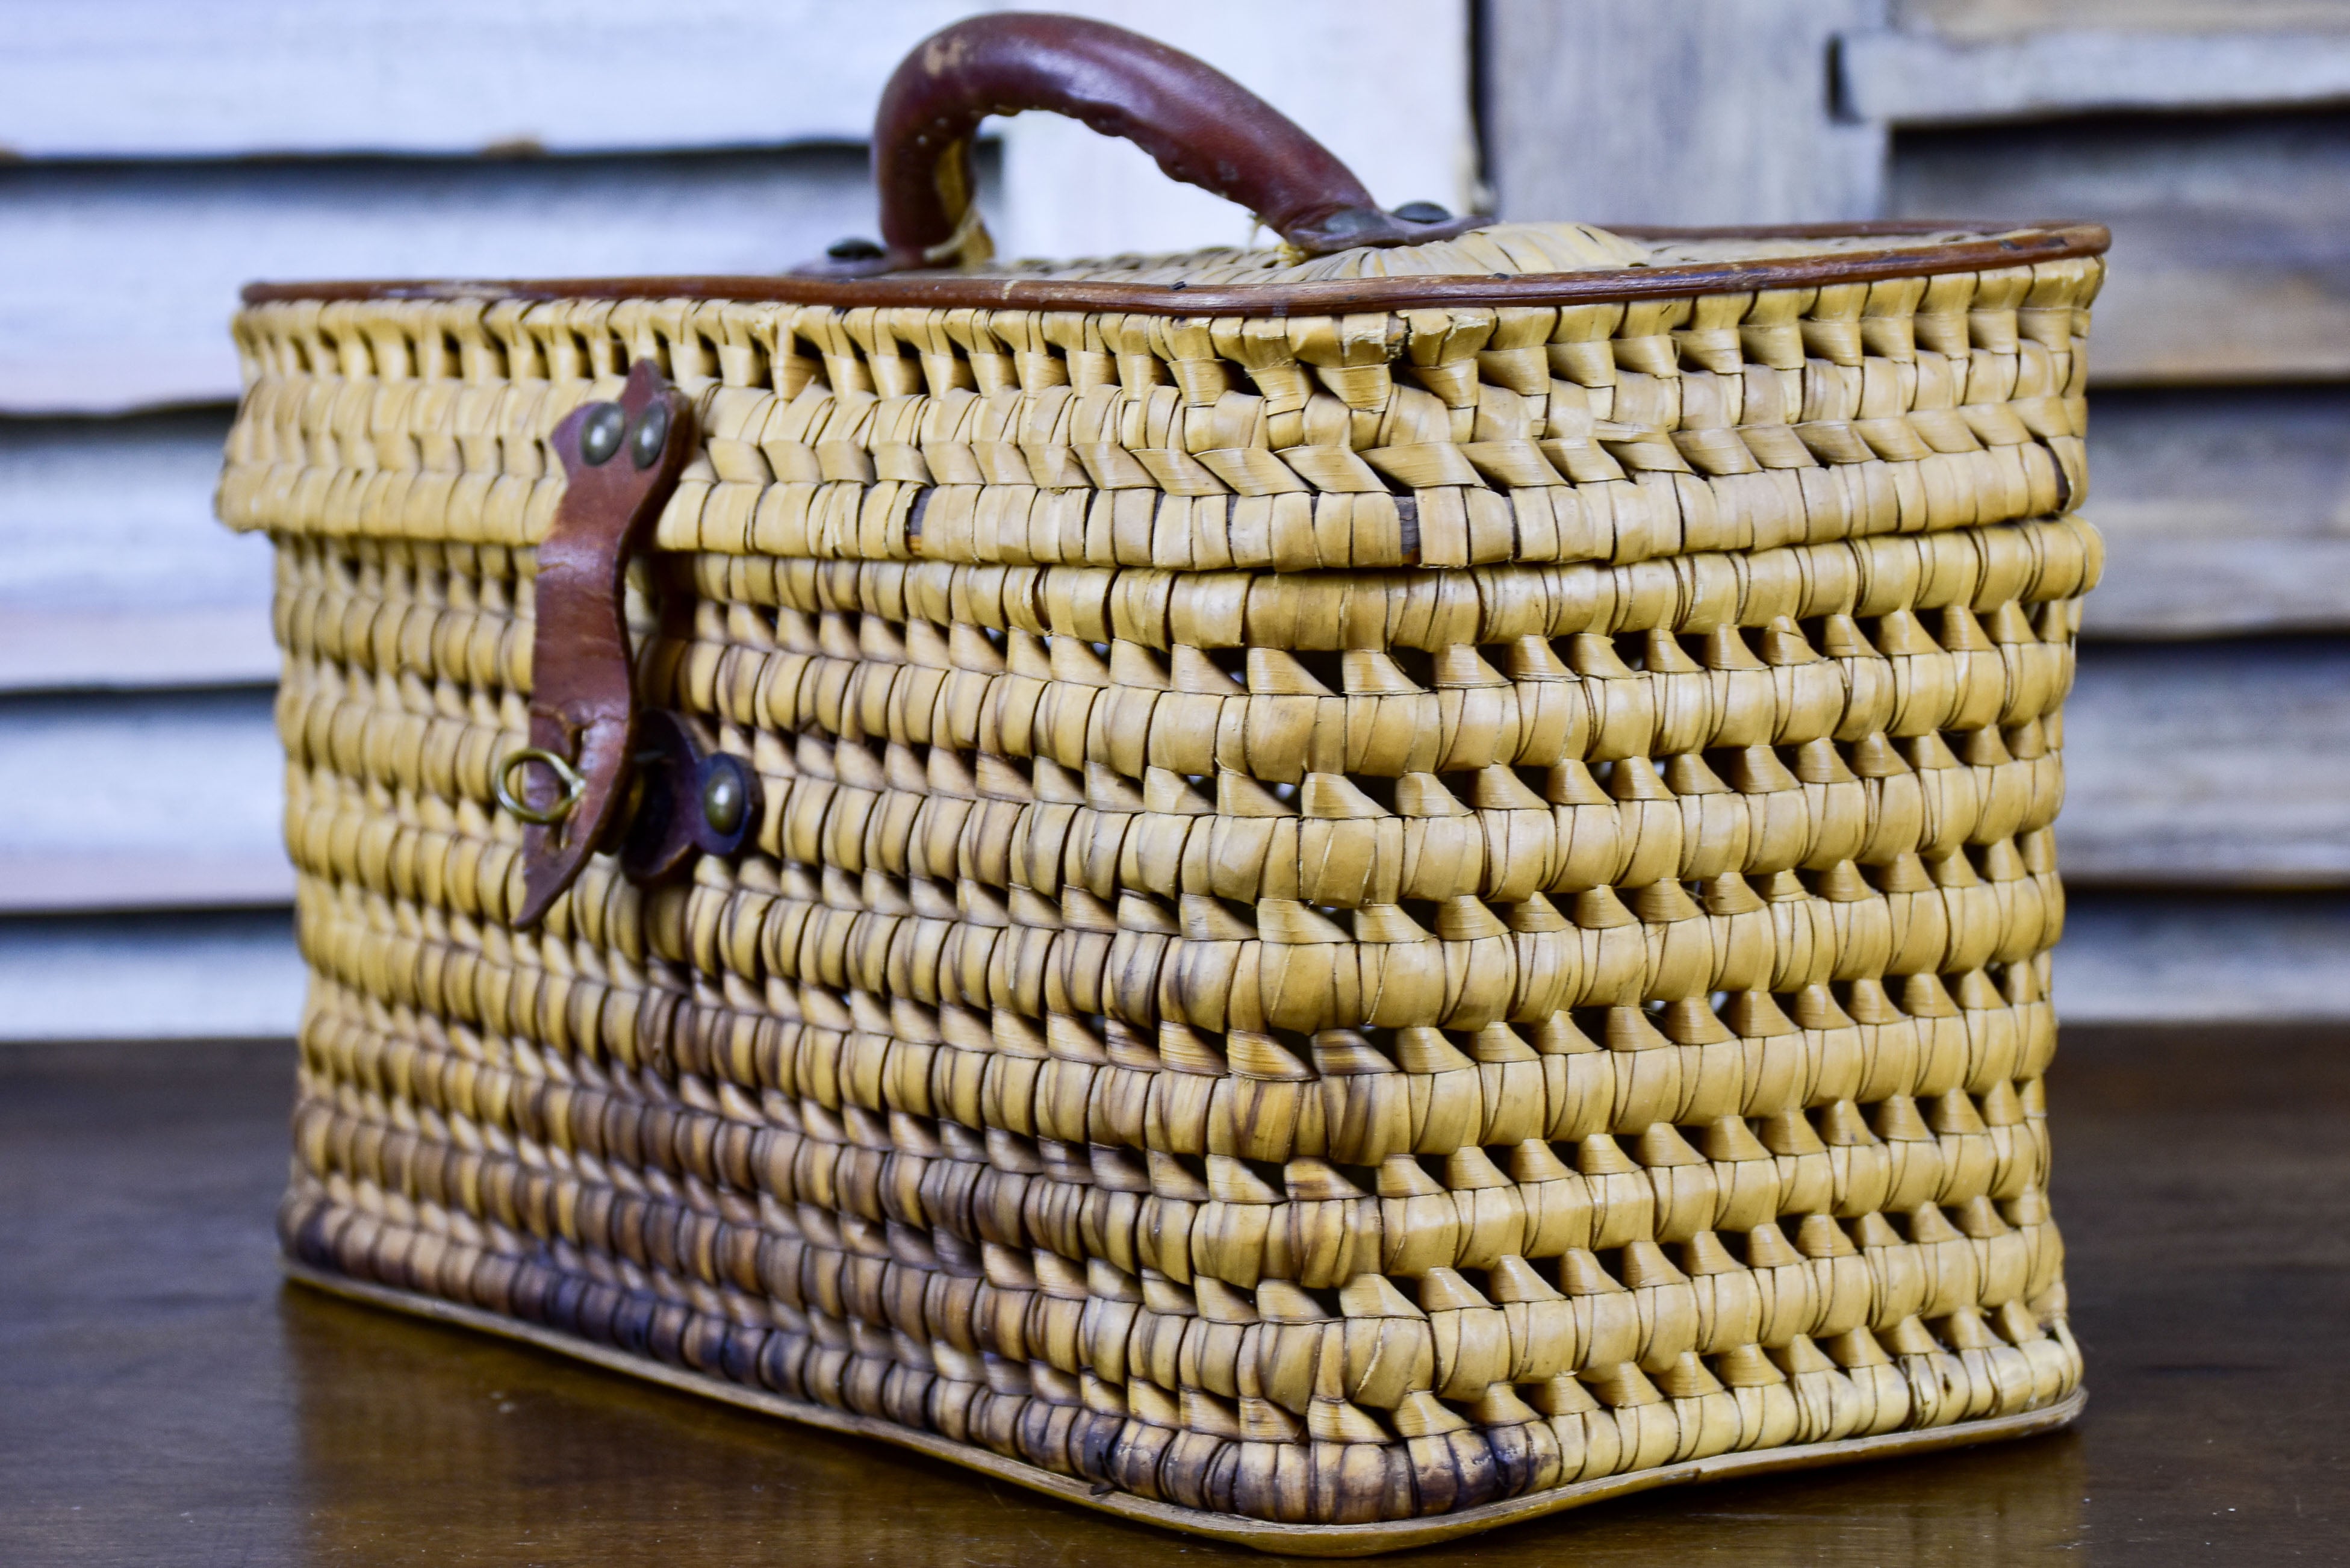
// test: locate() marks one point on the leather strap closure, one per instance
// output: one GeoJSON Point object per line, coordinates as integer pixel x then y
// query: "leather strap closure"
{"type": "Point", "coordinates": [692, 798]}
{"type": "Point", "coordinates": [621, 462]}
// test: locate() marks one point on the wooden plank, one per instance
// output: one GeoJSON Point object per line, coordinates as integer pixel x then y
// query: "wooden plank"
{"type": "Point", "coordinates": [129, 647]}
{"type": "Point", "coordinates": [2220, 588]}
{"type": "Point", "coordinates": [2220, 462]}
{"type": "Point", "coordinates": [112, 571]}
{"type": "Point", "coordinates": [2231, 233]}
{"type": "Point", "coordinates": [2177, 314]}
{"type": "Point", "coordinates": [1979, 19]}
{"type": "Point", "coordinates": [89, 322]}
{"type": "Point", "coordinates": [169, 875]}
{"type": "Point", "coordinates": [1624, 112]}
{"type": "Point", "coordinates": [141, 802]}
{"type": "Point", "coordinates": [2217, 763]}
{"type": "Point", "coordinates": [1911, 78]}
{"type": "Point", "coordinates": [2236, 958]}
{"type": "Point", "coordinates": [2226, 511]}
{"type": "Point", "coordinates": [151, 79]}
{"type": "Point", "coordinates": [218, 975]}
{"type": "Point", "coordinates": [143, 79]}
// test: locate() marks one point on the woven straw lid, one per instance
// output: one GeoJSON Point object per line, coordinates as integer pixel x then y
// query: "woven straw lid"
{"type": "Point", "coordinates": [1499, 251]}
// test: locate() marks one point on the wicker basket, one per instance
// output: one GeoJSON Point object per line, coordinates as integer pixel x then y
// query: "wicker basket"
{"type": "Point", "coordinates": [1328, 896]}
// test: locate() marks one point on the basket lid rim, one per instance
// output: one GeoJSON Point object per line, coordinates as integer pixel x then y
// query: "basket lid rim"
{"type": "Point", "coordinates": [1991, 247]}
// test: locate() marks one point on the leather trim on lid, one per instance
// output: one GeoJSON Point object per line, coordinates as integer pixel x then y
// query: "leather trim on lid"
{"type": "Point", "coordinates": [949, 290]}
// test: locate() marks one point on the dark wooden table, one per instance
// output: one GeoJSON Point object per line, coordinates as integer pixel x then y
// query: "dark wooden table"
{"type": "Point", "coordinates": [165, 1398]}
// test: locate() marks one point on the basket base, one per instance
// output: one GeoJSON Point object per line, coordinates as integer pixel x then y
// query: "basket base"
{"type": "Point", "coordinates": [1293, 1539]}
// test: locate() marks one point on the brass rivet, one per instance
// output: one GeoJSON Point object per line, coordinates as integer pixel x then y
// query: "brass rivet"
{"type": "Point", "coordinates": [722, 799]}
{"type": "Point", "coordinates": [599, 438]}
{"type": "Point", "coordinates": [650, 437]}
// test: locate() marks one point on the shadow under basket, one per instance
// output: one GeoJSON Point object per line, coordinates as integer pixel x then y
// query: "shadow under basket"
{"type": "Point", "coordinates": [1328, 896]}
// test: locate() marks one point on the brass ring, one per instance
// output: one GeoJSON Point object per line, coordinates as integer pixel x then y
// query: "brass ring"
{"type": "Point", "coordinates": [574, 785]}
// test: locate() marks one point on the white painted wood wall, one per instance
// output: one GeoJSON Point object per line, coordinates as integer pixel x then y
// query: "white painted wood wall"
{"type": "Point", "coordinates": [166, 153]}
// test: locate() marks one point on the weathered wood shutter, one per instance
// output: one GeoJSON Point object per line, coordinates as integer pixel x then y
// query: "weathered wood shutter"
{"type": "Point", "coordinates": [168, 153]}
{"type": "Point", "coordinates": [2207, 828]}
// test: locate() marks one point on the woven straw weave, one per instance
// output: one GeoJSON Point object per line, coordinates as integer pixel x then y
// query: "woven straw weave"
{"type": "Point", "coordinates": [1355, 916]}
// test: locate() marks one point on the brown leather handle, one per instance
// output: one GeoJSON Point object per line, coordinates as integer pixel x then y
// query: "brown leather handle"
{"type": "Point", "coordinates": [1203, 127]}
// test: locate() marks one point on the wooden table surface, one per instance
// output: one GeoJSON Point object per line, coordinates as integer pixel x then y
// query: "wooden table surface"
{"type": "Point", "coordinates": [165, 1398]}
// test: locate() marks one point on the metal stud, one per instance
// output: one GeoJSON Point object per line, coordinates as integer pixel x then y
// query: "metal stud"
{"type": "Point", "coordinates": [724, 797]}
{"type": "Point", "coordinates": [1423, 213]}
{"type": "Point", "coordinates": [854, 250]}
{"type": "Point", "coordinates": [599, 438]}
{"type": "Point", "coordinates": [650, 436]}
